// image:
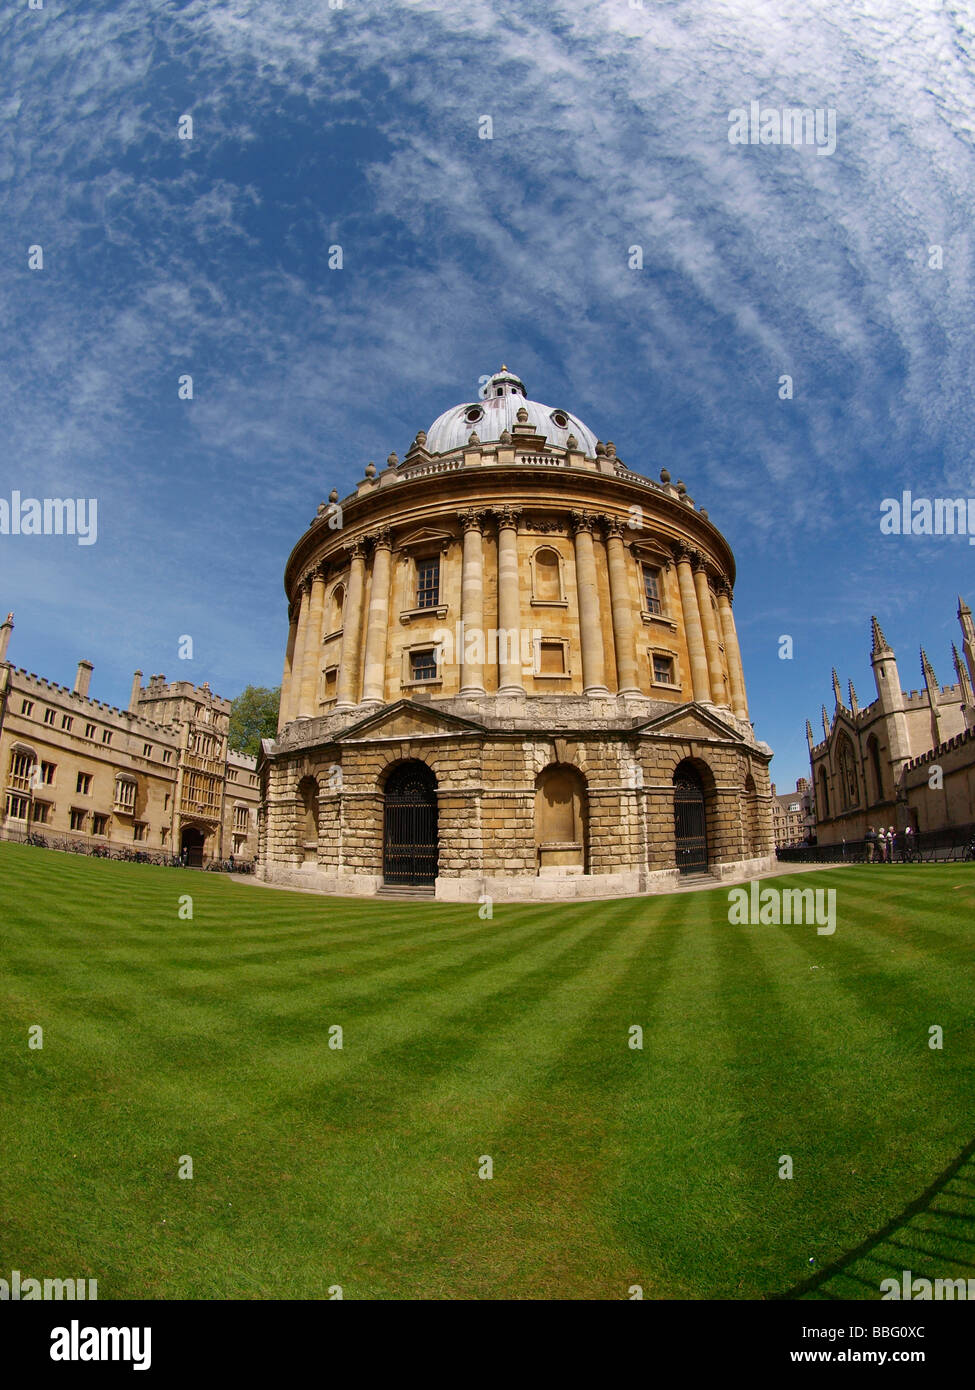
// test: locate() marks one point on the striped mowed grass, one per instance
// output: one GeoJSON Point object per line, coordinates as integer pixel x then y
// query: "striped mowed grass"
{"type": "Point", "coordinates": [466, 1039]}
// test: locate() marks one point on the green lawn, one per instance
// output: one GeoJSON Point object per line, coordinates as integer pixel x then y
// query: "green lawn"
{"type": "Point", "coordinates": [359, 1167]}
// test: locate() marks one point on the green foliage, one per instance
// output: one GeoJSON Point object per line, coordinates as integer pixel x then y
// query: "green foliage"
{"type": "Point", "coordinates": [253, 716]}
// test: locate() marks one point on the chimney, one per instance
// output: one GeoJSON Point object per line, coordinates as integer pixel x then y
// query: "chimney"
{"type": "Point", "coordinates": [136, 692]}
{"type": "Point", "coordinates": [83, 679]}
{"type": "Point", "coordinates": [6, 628]}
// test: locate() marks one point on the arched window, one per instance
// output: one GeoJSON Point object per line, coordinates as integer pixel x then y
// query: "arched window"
{"type": "Point", "coordinates": [873, 748]}
{"type": "Point", "coordinates": [849, 782]}
{"type": "Point", "coordinates": [823, 795]}
{"type": "Point", "coordinates": [561, 820]}
{"type": "Point", "coordinates": [308, 816]}
{"type": "Point", "coordinates": [547, 576]}
{"type": "Point", "coordinates": [336, 605]}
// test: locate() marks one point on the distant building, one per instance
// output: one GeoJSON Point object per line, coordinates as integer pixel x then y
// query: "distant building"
{"type": "Point", "coordinates": [790, 815]}
{"type": "Point", "coordinates": [157, 776]}
{"type": "Point", "coordinates": [907, 759]}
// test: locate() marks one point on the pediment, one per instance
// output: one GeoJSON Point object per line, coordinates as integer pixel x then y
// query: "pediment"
{"type": "Point", "coordinates": [407, 719]}
{"type": "Point", "coordinates": [426, 538]}
{"type": "Point", "coordinates": [689, 722]}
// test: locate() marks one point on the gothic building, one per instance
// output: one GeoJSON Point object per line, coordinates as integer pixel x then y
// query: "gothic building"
{"type": "Point", "coordinates": [157, 776]}
{"type": "Point", "coordinates": [906, 759]}
{"type": "Point", "coordinates": [512, 670]}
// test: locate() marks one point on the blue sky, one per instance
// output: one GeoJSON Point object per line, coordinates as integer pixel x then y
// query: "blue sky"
{"type": "Point", "coordinates": [358, 126]}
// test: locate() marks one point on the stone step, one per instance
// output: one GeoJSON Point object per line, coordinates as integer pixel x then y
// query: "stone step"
{"type": "Point", "coordinates": [408, 891]}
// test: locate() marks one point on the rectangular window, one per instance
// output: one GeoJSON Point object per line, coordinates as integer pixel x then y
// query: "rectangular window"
{"type": "Point", "coordinates": [124, 796]}
{"type": "Point", "coordinates": [428, 582]}
{"type": "Point", "coordinates": [663, 669]}
{"type": "Point", "coordinates": [26, 706]}
{"type": "Point", "coordinates": [66, 722]}
{"type": "Point", "coordinates": [423, 665]}
{"type": "Point", "coordinates": [240, 818]}
{"type": "Point", "coordinates": [21, 767]}
{"type": "Point", "coordinates": [49, 716]}
{"type": "Point", "coordinates": [239, 843]}
{"type": "Point", "coordinates": [138, 831]}
{"type": "Point", "coordinates": [41, 812]}
{"type": "Point", "coordinates": [163, 835]}
{"type": "Point", "coordinates": [106, 735]}
{"type": "Point", "coordinates": [78, 819]}
{"type": "Point", "coordinates": [551, 659]}
{"type": "Point", "coordinates": [47, 773]}
{"type": "Point", "coordinates": [83, 787]}
{"type": "Point", "coordinates": [147, 750]}
{"type": "Point", "coordinates": [99, 825]}
{"type": "Point", "coordinates": [89, 731]}
{"type": "Point", "coordinates": [17, 806]}
{"type": "Point", "coordinates": [167, 755]}
{"type": "Point", "coordinates": [651, 588]}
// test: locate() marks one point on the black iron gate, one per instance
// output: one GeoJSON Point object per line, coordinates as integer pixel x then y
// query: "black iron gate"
{"type": "Point", "coordinates": [690, 827]}
{"type": "Point", "coordinates": [410, 825]}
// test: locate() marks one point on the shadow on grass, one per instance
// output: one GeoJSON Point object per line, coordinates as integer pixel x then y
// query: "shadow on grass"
{"type": "Point", "coordinates": [927, 1237]}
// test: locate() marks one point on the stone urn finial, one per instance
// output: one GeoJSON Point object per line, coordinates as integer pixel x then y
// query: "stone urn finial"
{"type": "Point", "coordinates": [522, 415]}
{"type": "Point", "coordinates": [370, 469]}
{"type": "Point", "coordinates": [664, 476]}
{"type": "Point", "coordinates": [600, 449]}
{"type": "Point", "coordinates": [505, 437]}
{"type": "Point", "coordinates": [572, 442]}
{"type": "Point", "coordinates": [392, 461]}
{"type": "Point", "coordinates": [473, 437]}
{"type": "Point", "coordinates": [610, 449]}
{"type": "Point", "coordinates": [333, 496]}
{"type": "Point", "coordinates": [681, 489]}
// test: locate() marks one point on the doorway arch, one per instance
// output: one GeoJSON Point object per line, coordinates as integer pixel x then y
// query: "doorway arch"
{"type": "Point", "coordinates": [690, 820]}
{"type": "Point", "coordinates": [191, 842]}
{"type": "Point", "coordinates": [410, 841]}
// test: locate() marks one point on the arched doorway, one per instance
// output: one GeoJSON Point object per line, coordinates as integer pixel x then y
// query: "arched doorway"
{"type": "Point", "coordinates": [410, 825]}
{"type": "Point", "coordinates": [561, 820]}
{"type": "Point", "coordinates": [690, 820]}
{"type": "Point", "coordinates": [191, 842]}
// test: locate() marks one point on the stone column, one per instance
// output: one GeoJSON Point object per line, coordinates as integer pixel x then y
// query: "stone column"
{"type": "Point", "coordinates": [377, 627]}
{"type": "Point", "coordinates": [510, 680]}
{"type": "Point", "coordinates": [347, 692]}
{"type": "Point", "coordinates": [693, 633]}
{"type": "Point", "coordinates": [472, 604]}
{"type": "Point", "coordinates": [301, 640]}
{"type": "Point", "coordinates": [736, 674]}
{"type": "Point", "coordinates": [312, 654]}
{"type": "Point", "coordinates": [712, 647]}
{"type": "Point", "coordinates": [284, 708]}
{"type": "Point", "coordinates": [624, 632]}
{"type": "Point", "coordinates": [590, 624]}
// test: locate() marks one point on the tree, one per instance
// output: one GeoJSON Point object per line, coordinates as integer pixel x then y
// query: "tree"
{"type": "Point", "coordinates": [253, 716]}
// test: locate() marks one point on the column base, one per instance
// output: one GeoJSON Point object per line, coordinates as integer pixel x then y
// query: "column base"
{"type": "Point", "coordinates": [471, 691]}
{"type": "Point", "coordinates": [508, 690]}
{"type": "Point", "coordinates": [597, 692]}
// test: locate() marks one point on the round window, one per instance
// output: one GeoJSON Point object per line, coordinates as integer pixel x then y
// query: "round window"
{"type": "Point", "coordinates": [561, 419]}
{"type": "Point", "coordinates": [474, 414]}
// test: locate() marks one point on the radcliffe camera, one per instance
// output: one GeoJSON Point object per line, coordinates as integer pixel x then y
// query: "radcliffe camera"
{"type": "Point", "coordinates": [487, 676]}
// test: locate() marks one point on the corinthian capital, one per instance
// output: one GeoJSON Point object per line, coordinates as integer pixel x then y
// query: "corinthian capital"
{"type": "Point", "coordinates": [506, 517]}
{"type": "Point", "coordinates": [683, 553]}
{"type": "Point", "coordinates": [380, 538]}
{"type": "Point", "coordinates": [471, 520]}
{"type": "Point", "coordinates": [583, 521]}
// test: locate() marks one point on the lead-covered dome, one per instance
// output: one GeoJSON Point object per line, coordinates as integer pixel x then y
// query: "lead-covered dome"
{"type": "Point", "coordinates": [497, 411]}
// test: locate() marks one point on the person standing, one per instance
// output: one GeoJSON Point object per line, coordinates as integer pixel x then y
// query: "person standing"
{"type": "Point", "coordinates": [870, 840]}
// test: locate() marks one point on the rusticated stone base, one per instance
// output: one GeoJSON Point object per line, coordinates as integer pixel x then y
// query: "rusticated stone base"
{"type": "Point", "coordinates": [486, 762]}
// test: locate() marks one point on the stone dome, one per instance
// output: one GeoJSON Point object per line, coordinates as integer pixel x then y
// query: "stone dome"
{"type": "Point", "coordinates": [497, 411]}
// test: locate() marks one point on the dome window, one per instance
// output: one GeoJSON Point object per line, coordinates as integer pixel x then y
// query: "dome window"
{"type": "Point", "coordinates": [474, 414]}
{"type": "Point", "coordinates": [560, 418]}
